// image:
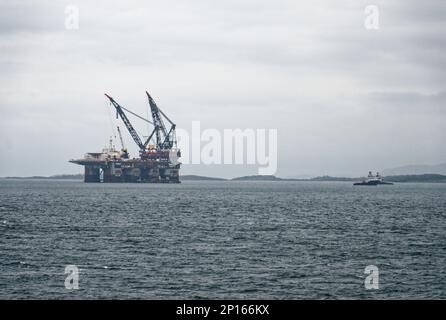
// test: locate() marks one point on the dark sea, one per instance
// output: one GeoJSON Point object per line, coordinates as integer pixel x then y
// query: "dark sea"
{"type": "Point", "coordinates": [221, 240]}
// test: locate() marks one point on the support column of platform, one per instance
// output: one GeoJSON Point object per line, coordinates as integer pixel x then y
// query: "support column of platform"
{"type": "Point", "coordinates": [110, 176]}
{"type": "Point", "coordinates": [91, 174]}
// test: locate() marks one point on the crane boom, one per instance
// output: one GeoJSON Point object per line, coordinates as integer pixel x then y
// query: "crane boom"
{"type": "Point", "coordinates": [132, 131]}
{"type": "Point", "coordinates": [164, 139]}
{"type": "Point", "coordinates": [120, 137]}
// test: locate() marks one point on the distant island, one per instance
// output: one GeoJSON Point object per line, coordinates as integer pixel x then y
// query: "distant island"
{"type": "Point", "coordinates": [192, 177]}
{"type": "Point", "coordinates": [258, 178]}
{"type": "Point", "coordinates": [432, 178]}
{"type": "Point", "coordinates": [418, 178]}
{"type": "Point", "coordinates": [416, 170]}
{"type": "Point", "coordinates": [437, 178]}
{"type": "Point", "coordinates": [56, 177]}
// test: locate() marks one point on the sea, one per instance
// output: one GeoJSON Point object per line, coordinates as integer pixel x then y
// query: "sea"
{"type": "Point", "coordinates": [63, 239]}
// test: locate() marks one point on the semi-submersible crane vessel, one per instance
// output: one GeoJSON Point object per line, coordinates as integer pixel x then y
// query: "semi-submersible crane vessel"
{"type": "Point", "coordinates": [157, 163]}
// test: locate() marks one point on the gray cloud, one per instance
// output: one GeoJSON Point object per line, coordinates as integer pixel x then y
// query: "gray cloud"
{"type": "Point", "coordinates": [309, 69]}
{"type": "Point", "coordinates": [30, 16]}
{"type": "Point", "coordinates": [410, 102]}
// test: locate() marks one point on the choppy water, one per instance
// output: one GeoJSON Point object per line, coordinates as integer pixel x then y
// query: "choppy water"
{"type": "Point", "coordinates": [235, 240]}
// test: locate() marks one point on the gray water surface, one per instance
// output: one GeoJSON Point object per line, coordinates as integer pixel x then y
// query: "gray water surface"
{"type": "Point", "coordinates": [221, 240]}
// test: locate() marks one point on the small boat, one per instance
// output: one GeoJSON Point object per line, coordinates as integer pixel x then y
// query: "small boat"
{"type": "Point", "coordinates": [366, 183]}
{"type": "Point", "coordinates": [372, 180]}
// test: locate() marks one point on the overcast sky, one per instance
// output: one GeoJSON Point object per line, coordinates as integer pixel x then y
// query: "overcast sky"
{"type": "Point", "coordinates": [344, 99]}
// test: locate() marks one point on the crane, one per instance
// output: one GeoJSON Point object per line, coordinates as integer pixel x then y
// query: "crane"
{"type": "Point", "coordinates": [164, 139]}
{"type": "Point", "coordinates": [120, 138]}
{"type": "Point", "coordinates": [124, 151]}
{"type": "Point", "coordinates": [120, 113]}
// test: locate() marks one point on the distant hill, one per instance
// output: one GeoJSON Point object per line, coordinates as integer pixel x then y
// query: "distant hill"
{"type": "Point", "coordinates": [396, 178]}
{"type": "Point", "coordinates": [68, 176]}
{"type": "Point", "coordinates": [416, 170]}
{"type": "Point", "coordinates": [328, 178]}
{"type": "Point", "coordinates": [192, 177]}
{"type": "Point", "coordinates": [59, 176]}
{"type": "Point", "coordinates": [437, 178]}
{"type": "Point", "coordinates": [258, 178]}
{"type": "Point", "coordinates": [417, 178]}
{"type": "Point", "coordinates": [274, 178]}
